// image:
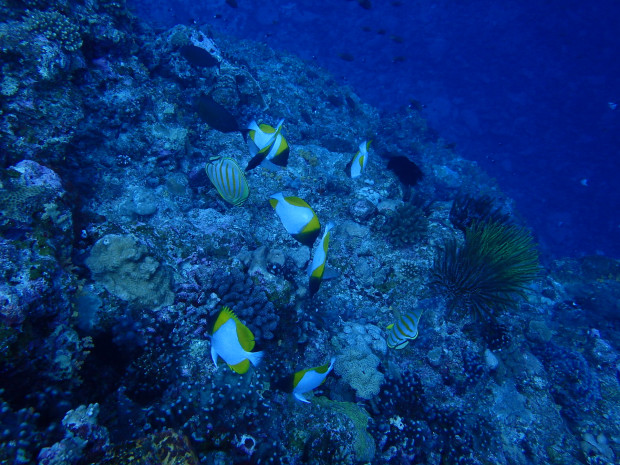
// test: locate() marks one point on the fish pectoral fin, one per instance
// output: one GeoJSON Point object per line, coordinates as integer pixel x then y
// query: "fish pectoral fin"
{"type": "Point", "coordinates": [330, 273]}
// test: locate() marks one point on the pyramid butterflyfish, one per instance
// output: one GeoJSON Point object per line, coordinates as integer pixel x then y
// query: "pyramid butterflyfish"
{"type": "Point", "coordinates": [267, 145]}
{"type": "Point", "coordinates": [297, 217]}
{"type": "Point", "coordinates": [359, 161]}
{"type": "Point", "coordinates": [309, 379]}
{"type": "Point", "coordinates": [317, 268]}
{"type": "Point", "coordinates": [232, 341]}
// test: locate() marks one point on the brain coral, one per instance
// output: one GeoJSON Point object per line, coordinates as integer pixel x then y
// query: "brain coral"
{"type": "Point", "coordinates": [122, 265]}
{"type": "Point", "coordinates": [359, 369]}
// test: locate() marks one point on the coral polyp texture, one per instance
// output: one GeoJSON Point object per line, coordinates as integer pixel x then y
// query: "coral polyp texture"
{"type": "Point", "coordinates": [118, 253]}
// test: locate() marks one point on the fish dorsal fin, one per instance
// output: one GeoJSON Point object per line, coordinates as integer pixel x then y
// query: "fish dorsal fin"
{"type": "Point", "coordinates": [225, 315]}
{"type": "Point", "coordinates": [273, 134]}
{"type": "Point", "coordinates": [322, 369]}
{"type": "Point", "coordinates": [417, 313]}
{"type": "Point", "coordinates": [327, 236]}
{"type": "Point", "coordinates": [246, 338]}
{"type": "Point", "coordinates": [313, 225]}
{"type": "Point", "coordinates": [297, 202]}
{"type": "Point", "coordinates": [270, 129]}
{"type": "Point", "coordinates": [267, 129]}
{"type": "Point", "coordinates": [299, 375]}
{"type": "Point", "coordinates": [360, 160]}
{"type": "Point", "coordinates": [241, 367]}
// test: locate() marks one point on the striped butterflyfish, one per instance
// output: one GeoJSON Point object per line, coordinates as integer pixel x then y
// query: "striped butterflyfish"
{"type": "Point", "coordinates": [405, 329]}
{"type": "Point", "coordinates": [228, 179]}
{"type": "Point", "coordinates": [317, 269]}
{"type": "Point", "coordinates": [267, 145]}
{"type": "Point", "coordinates": [297, 217]}
{"type": "Point", "coordinates": [359, 161]}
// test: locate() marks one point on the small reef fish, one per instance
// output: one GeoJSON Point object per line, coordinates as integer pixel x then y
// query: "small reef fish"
{"type": "Point", "coordinates": [216, 115]}
{"type": "Point", "coordinates": [404, 330]}
{"type": "Point", "coordinates": [297, 217]}
{"type": "Point", "coordinates": [228, 179]}
{"type": "Point", "coordinates": [198, 56]}
{"type": "Point", "coordinates": [317, 269]}
{"type": "Point", "coordinates": [233, 342]}
{"type": "Point", "coordinates": [309, 379]}
{"type": "Point", "coordinates": [267, 145]}
{"type": "Point", "coordinates": [359, 161]}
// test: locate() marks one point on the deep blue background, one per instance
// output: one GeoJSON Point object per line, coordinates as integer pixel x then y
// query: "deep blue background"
{"type": "Point", "coordinates": [521, 87]}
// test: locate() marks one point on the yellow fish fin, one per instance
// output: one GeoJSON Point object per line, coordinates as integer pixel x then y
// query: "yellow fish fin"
{"type": "Point", "coordinates": [322, 369]}
{"type": "Point", "coordinates": [225, 315]}
{"type": "Point", "coordinates": [246, 338]}
{"type": "Point", "coordinates": [297, 376]}
{"type": "Point", "coordinates": [266, 128]}
{"type": "Point", "coordinates": [241, 367]}
{"type": "Point", "coordinates": [318, 272]}
{"type": "Point", "coordinates": [296, 201]}
{"type": "Point", "coordinates": [313, 225]}
{"type": "Point", "coordinates": [361, 161]}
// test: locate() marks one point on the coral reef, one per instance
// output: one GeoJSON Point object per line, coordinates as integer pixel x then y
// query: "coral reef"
{"type": "Point", "coordinates": [116, 254]}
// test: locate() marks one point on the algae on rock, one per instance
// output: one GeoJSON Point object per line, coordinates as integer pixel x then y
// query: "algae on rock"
{"type": "Point", "coordinates": [363, 445]}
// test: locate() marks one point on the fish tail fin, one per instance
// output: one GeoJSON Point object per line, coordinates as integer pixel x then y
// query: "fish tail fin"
{"type": "Point", "coordinates": [255, 357]}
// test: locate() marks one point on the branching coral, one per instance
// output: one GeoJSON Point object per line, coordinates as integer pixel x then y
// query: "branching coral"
{"type": "Point", "coordinates": [56, 27]}
{"type": "Point", "coordinates": [407, 226]}
{"type": "Point", "coordinates": [489, 272]}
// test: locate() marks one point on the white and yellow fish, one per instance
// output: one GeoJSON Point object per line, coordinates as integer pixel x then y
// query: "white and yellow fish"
{"type": "Point", "coordinates": [267, 144]}
{"type": "Point", "coordinates": [233, 341]}
{"type": "Point", "coordinates": [356, 166]}
{"type": "Point", "coordinates": [309, 379]}
{"type": "Point", "coordinates": [317, 269]}
{"type": "Point", "coordinates": [404, 330]}
{"type": "Point", "coordinates": [228, 179]}
{"type": "Point", "coordinates": [297, 217]}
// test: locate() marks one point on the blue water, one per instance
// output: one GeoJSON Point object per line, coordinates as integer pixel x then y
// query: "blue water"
{"type": "Point", "coordinates": [524, 88]}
